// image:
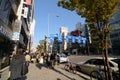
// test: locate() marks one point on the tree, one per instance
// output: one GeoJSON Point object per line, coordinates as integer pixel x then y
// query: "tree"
{"type": "Point", "coordinates": [41, 47]}
{"type": "Point", "coordinates": [97, 14]}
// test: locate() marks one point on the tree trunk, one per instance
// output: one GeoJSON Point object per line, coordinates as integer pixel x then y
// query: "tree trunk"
{"type": "Point", "coordinates": [107, 63]}
{"type": "Point", "coordinates": [106, 76]}
{"type": "Point", "coordinates": [103, 55]}
{"type": "Point", "coordinates": [106, 52]}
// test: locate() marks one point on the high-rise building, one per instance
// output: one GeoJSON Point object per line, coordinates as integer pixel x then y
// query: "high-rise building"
{"type": "Point", "coordinates": [23, 23]}
{"type": "Point", "coordinates": [115, 35]}
{"type": "Point", "coordinates": [63, 33]}
{"type": "Point", "coordinates": [31, 46]}
{"type": "Point", "coordinates": [80, 28]}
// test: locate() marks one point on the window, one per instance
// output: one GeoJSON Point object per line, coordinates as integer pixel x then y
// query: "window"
{"type": "Point", "coordinates": [99, 62]}
{"type": "Point", "coordinates": [91, 61]}
{"type": "Point", "coordinates": [116, 60]}
{"type": "Point", "coordinates": [111, 65]}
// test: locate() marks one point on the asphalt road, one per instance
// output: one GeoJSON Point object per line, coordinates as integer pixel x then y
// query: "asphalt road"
{"type": "Point", "coordinates": [79, 58]}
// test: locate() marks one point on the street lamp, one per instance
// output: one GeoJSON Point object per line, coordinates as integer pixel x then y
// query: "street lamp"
{"type": "Point", "coordinates": [49, 23]}
{"type": "Point", "coordinates": [47, 44]}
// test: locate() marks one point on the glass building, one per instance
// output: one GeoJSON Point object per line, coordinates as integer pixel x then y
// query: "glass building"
{"type": "Point", "coordinates": [115, 35]}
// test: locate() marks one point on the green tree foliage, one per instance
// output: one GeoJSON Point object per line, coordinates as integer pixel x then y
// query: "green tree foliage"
{"type": "Point", "coordinates": [97, 14]}
{"type": "Point", "coordinates": [41, 47]}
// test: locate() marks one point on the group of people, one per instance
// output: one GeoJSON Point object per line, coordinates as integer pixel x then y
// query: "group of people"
{"type": "Point", "coordinates": [49, 58]}
{"type": "Point", "coordinates": [19, 64]}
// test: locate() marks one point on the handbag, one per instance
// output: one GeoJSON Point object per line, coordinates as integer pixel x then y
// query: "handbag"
{"type": "Point", "coordinates": [24, 70]}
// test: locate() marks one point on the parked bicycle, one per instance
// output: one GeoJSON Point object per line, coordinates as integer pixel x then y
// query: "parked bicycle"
{"type": "Point", "coordinates": [97, 75]}
{"type": "Point", "coordinates": [69, 67]}
{"type": "Point", "coordinates": [115, 75]}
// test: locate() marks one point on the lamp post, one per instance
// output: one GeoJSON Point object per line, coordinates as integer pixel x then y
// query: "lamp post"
{"type": "Point", "coordinates": [47, 41]}
{"type": "Point", "coordinates": [47, 44]}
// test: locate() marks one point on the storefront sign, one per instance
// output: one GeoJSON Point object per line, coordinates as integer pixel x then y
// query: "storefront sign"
{"type": "Point", "coordinates": [17, 26]}
{"type": "Point", "coordinates": [16, 36]}
{"type": "Point", "coordinates": [25, 14]}
{"type": "Point", "coordinates": [5, 32]}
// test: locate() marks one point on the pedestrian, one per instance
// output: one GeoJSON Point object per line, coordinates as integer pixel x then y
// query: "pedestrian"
{"type": "Point", "coordinates": [48, 59]}
{"type": "Point", "coordinates": [52, 60]}
{"type": "Point", "coordinates": [27, 57]}
{"type": "Point", "coordinates": [40, 60]}
{"type": "Point", "coordinates": [26, 64]}
{"type": "Point", "coordinates": [16, 65]}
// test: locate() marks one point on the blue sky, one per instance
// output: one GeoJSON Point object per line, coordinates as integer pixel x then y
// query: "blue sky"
{"type": "Point", "coordinates": [66, 18]}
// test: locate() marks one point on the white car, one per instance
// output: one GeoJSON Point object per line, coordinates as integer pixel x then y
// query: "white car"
{"type": "Point", "coordinates": [95, 63]}
{"type": "Point", "coordinates": [62, 58]}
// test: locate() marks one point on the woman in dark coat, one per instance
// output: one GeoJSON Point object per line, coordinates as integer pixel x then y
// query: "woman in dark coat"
{"type": "Point", "coordinates": [16, 64]}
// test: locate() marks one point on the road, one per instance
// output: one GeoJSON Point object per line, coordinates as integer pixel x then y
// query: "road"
{"type": "Point", "coordinates": [77, 58]}
{"type": "Point", "coordinates": [58, 73]}
{"type": "Point", "coordinates": [80, 58]}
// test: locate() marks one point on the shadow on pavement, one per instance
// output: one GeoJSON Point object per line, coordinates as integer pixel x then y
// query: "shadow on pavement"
{"type": "Point", "coordinates": [79, 75]}
{"type": "Point", "coordinates": [62, 74]}
{"type": "Point", "coordinates": [38, 65]}
{"type": "Point", "coordinates": [23, 78]}
{"type": "Point", "coordinates": [58, 79]}
{"type": "Point", "coordinates": [83, 77]}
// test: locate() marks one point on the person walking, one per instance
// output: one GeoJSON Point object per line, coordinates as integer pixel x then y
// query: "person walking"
{"type": "Point", "coordinates": [16, 65]}
{"type": "Point", "coordinates": [26, 63]}
{"type": "Point", "coordinates": [48, 60]}
{"type": "Point", "coordinates": [52, 60]}
{"type": "Point", "coordinates": [27, 58]}
{"type": "Point", "coordinates": [41, 58]}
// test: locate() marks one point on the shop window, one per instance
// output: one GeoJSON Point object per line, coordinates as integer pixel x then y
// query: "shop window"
{"type": "Point", "coordinates": [4, 54]}
{"type": "Point", "coordinates": [4, 60]}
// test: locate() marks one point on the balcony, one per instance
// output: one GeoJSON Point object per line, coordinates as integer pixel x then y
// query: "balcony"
{"type": "Point", "coordinates": [15, 4]}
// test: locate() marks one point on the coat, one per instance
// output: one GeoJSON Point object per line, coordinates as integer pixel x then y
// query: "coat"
{"type": "Point", "coordinates": [16, 67]}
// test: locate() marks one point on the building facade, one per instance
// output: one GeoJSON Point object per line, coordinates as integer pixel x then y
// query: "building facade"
{"type": "Point", "coordinates": [15, 18]}
{"type": "Point", "coordinates": [8, 15]}
{"type": "Point", "coordinates": [63, 33]}
{"type": "Point", "coordinates": [115, 35]}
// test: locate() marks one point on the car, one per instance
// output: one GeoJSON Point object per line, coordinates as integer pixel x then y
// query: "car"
{"type": "Point", "coordinates": [66, 53]}
{"type": "Point", "coordinates": [62, 58]}
{"type": "Point", "coordinates": [96, 64]}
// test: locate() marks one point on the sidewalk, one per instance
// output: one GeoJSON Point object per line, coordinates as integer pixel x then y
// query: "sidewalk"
{"type": "Point", "coordinates": [58, 73]}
